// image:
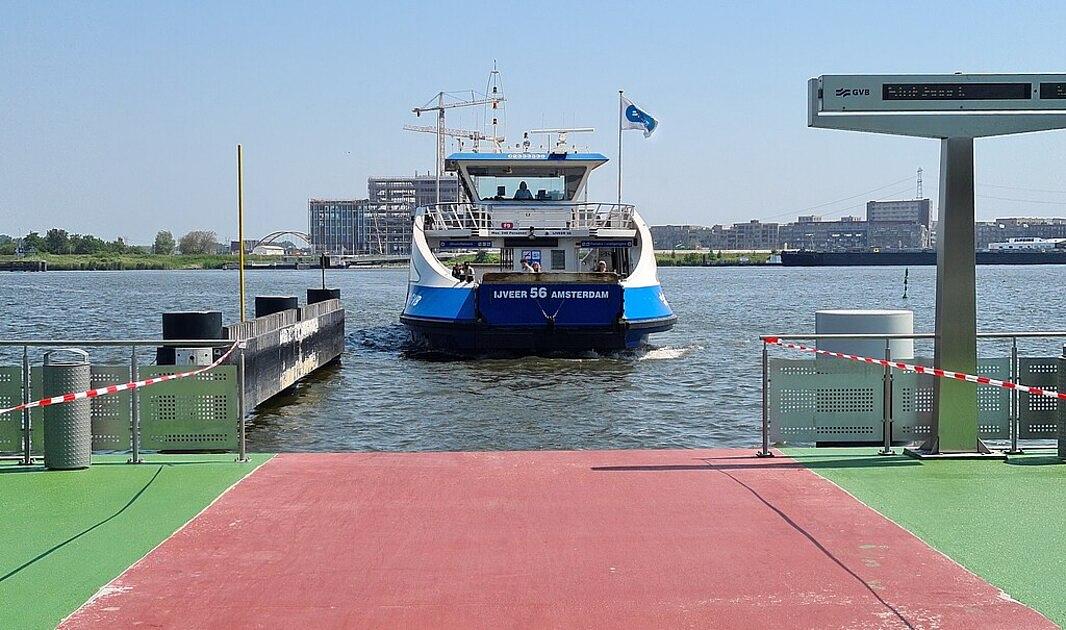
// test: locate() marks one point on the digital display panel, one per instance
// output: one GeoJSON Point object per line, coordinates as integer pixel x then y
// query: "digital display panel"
{"type": "Point", "coordinates": [957, 91]}
{"type": "Point", "coordinates": [1053, 90]}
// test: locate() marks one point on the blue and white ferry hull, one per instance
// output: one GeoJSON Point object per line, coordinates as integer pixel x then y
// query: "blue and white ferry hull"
{"type": "Point", "coordinates": [533, 313]}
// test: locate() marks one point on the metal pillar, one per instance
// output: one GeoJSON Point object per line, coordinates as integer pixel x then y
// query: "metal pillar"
{"type": "Point", "coordinates": [135, 411]}
{"type": "Point", "coordinates": [886, 414]}
{"type": "Point", "coordinates": [242, 455]}
{"type": "Point", "coordinates": [1015, 410]}
{"type": "Point", "coordinates": [955, 347]}
{"type": "Point", "coordinates": [765, 451]}
{"type": "Point", "coordinates": [27, 426]}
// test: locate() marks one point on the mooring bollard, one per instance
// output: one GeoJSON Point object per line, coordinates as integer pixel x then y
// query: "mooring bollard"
{"type": "Point", "coordinates": [68, 441]}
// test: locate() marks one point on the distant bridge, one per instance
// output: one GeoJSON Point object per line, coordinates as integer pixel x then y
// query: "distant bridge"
{"type": "Point", "coordinates": [273, 236]}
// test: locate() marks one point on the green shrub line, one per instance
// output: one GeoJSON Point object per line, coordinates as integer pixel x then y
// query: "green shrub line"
{"type": "Point", "coordinates": [129, 262]}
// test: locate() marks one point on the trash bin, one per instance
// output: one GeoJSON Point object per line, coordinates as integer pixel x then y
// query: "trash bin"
{"type": "Point", "coordinates": [68, 426]}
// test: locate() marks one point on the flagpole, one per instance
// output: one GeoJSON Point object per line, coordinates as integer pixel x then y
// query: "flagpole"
{"type": "Point", "coordinates": [619, 147]}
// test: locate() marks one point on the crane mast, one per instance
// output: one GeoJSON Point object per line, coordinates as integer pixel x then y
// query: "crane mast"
{"type": "Point", "coordinates": [439, 104]}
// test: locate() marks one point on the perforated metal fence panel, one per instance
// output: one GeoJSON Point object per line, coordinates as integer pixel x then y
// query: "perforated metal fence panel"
{"type": "Point", "coordinates": [111, 414]}
{"type": "Point", "coordinates": [1038, 414]}
{"type": "Point", "coordinates": [10, 423]}
{"type": "Point", "coordinates": [190, 414]}
{"type": "Point", "coordinates": [195, 413]}
{"type": "Point", "coordinates": [827, 401]}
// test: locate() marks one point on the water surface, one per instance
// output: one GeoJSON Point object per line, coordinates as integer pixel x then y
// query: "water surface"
{"type": "Point", "coordinates": [698, 385]}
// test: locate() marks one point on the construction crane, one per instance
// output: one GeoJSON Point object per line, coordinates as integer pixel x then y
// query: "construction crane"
{"type": "Point", "coordinates": [439, 104]}
{"type": "Point", "coordinates": [476, 136]}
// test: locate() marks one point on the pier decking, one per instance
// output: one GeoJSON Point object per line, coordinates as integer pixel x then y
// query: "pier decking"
{"type": "Point", "coordinates": [690, 538]}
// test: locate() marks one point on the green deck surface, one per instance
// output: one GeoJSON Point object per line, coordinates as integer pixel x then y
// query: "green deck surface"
{"type": "Point", "coordinates": [66, 534]}
{"type": "Point", "coordinates": [1004, 521]}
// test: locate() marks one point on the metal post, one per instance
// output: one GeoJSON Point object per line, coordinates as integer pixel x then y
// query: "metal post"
{"type": "Point", "coordinates": [955, 346]}
{"type": "Point", "coordinates": [135, 411]}
{"type": "Point", "coordinates": [765, 452]}
{"type": "Point", "coordinates": [27, 426]}
{"type": "Point", "coordinates": [620, 148]}
{"type": "Point", "coordinates": [240, 229]}
{"type": "Point", "coordinates": [1015, 406]}
{"type": "Point", "coordinates": [242, 453]}
{"type": "Point", "coordinates": [886, 415]}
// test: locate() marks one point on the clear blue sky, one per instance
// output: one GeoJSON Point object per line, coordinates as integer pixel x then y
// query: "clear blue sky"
{"type": "Point", "coordinates": [122, 118]}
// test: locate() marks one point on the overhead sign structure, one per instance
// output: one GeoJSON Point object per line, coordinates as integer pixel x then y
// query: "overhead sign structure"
{"type": "Point", "coordinates": [954, 108]}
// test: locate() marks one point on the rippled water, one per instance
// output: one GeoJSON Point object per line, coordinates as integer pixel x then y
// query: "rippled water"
{"type": "Point", "coordinates": [698, 385]}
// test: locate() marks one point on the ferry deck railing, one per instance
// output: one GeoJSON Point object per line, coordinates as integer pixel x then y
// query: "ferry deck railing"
{"type": "Point", "coordinates": [132, 345]}
{"type": "Point", "coordinates": [1014, 411]}
{"type": "Point", "coordinates": [474, 216]}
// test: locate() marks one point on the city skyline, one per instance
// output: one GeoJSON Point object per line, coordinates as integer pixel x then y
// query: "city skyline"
{"type": "Point", "coordinates": [121, 119]}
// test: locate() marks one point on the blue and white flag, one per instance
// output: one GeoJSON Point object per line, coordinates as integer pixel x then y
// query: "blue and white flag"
{"type": "Point", "coordinates": [634, 117]}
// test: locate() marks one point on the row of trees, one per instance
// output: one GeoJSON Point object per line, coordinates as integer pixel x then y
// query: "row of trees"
{"type": "Point", "coordinates": [57, 241]}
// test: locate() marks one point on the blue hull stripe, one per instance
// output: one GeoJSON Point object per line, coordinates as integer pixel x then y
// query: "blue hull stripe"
{"type": "Point", "coordinates": [643, 303]}
{"type": "Point", "coordinates": [444, 303]}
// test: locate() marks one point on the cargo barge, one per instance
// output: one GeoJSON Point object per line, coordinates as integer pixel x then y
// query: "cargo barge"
{"type": "Point", "coordinates": [867, 258]}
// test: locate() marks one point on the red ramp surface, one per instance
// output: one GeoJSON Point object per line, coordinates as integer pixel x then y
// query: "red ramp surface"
{"type": "Point", "coordinates": [619, 539]}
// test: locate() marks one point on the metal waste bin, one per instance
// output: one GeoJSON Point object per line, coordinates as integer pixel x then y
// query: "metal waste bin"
{"type": "Point", "coordinates": [68, 426]}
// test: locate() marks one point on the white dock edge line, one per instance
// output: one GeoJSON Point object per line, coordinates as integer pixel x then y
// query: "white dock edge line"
{"type": "Point", "coordinates": [1002, 593]}
{"type": "Point", "coordinates": [108, 589]}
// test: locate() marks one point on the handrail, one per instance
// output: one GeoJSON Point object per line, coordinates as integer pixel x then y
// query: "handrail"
{"type": "Point", "coordinates": [1014, 413]}
{"type": "Point", "coordinates": [470, 215]}
{"type": "Point", "coordinates": [115, 342]}
{"type": "Point", "coordinates": [1012, 335]}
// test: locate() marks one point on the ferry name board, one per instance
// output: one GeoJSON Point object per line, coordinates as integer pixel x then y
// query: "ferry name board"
{"type": "Point", "coordinates": [848, 93]}
{"type": "Point", "coordinates": [549, 304]}
{"type": "Point", "coordinates": [602, 244]}
{"type": "Point", "coordinates": [465, 244]}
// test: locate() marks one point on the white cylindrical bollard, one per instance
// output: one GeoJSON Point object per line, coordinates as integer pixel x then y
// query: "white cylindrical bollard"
{"type": "Point", "coordinates": [874, 322]}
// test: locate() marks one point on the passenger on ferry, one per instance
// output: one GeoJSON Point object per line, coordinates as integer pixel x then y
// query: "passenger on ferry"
{"type": "Point", "coordinates": [523, 192]}
{"type": "Point", "coordinates": [457, 271]}
{"type": "Point", "coordinates": [468, 272]}
{"type": "Point", "coordinates": [526, 267]}
{"type": "Point", "coordinates": [536, 267]}
{"type": "Point", "coordinates": [601, 267]}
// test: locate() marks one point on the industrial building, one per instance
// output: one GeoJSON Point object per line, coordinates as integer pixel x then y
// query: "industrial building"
{"type": "Point", "coordinates": [359, 226]}
{"type": "Point", "coordinates": [336, 224]}
{"type": "Point", "coordinates": [1002, 230]}
{"type": "Point", "coordinates": [379, 224]}
{"type": "Point", "coordinates": [904, 211]}
{"type": "Point", "coordinates": [416, 191]}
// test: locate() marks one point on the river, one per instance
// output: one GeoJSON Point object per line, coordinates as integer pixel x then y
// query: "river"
{"type": "Point", "coordinates": [698, 385]}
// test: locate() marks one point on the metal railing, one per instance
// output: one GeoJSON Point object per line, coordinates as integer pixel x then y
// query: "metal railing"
{"type": "Point", "coordinates": [26, 457]}
{"type": "Point", "coordinates": [887, 378]}
{"type": "Point", "coordinates": [472, 216]}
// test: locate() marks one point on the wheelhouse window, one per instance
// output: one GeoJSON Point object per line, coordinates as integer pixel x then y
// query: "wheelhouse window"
{"type": "Point", "coordinates": [507, 183]}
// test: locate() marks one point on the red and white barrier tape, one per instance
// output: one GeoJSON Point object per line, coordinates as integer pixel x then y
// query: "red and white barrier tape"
{"type": "Point", "coordinates": [121, 387]}
{"type": "Point", "coordinates": [922, 369]}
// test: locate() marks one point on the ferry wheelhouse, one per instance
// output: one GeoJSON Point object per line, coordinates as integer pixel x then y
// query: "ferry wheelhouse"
{"type": "Point", "coordinates": [572, 275]}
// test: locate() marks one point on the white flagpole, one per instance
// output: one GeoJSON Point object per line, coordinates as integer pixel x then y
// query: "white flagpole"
{"type": "Point", "coordinates": [619, 147]}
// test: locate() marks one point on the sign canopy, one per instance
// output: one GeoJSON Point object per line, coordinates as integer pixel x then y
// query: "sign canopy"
{"type": "Point", "coordinates": [938, 105]}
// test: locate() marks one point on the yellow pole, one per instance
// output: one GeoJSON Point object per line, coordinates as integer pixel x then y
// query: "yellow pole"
{"type": "Point", "coordinates": [240, 228]}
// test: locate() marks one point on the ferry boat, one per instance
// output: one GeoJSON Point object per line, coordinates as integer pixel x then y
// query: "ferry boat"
{"type": "Point", "coordinates": [573, 275]}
